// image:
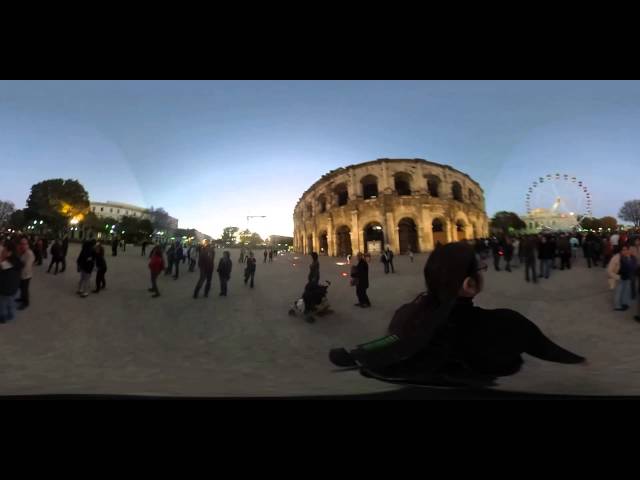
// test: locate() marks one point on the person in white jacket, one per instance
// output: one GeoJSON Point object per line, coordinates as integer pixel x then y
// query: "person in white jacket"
{"type": "Point", "coordinates": [621, 268]}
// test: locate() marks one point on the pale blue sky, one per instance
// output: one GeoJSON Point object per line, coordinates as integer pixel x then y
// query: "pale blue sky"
{"type": "Point", "coordinates": [212, 153]}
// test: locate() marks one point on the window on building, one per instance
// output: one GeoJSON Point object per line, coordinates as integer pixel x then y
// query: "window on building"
{"type": "Point", "coordinates": [456, 191]}
{"type": "Point", "coordinates": [102, 209]}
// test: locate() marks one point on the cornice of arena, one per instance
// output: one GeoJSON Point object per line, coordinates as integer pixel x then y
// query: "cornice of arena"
{"type": "Point", "coordinates": [333, 173]}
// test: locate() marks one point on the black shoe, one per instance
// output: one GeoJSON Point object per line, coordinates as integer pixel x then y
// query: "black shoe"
{"type": "Point", "coordinates": [155, 295]}
{"type": "Point", "coordinates": [341, 358]}
{"type": "Point", "coordinates": [357, 304]}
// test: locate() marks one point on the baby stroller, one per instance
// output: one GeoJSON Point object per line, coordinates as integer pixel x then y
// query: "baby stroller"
{"type": "Point", "coordinates": [313, 302]}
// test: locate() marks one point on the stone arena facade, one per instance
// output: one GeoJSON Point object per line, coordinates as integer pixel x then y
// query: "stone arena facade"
{"type": "Point", "coordinates": [404, 203]}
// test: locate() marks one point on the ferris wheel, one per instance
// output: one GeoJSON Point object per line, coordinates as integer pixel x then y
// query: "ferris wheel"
{"type": "Point", "coordinates": [559, 193]}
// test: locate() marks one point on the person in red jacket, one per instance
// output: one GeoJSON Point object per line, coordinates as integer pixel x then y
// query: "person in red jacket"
{"type": "Point", "coordinates": [156, 265]}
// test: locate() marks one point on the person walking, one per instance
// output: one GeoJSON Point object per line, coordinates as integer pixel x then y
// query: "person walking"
{"type": "Point", "coordinates": [266, 253]}
{"type": "Point", "coordinates": [621, 268]}
{"type": "Point", "coordinates": [389, 254]}
{"type": "Point", "coordinates": [179, 257]}
{"type": "Point", "coordinates": [360, 279]}
{"type": "Point", "coordinates": [114, 247]}
{"type": "Point", "coordinates": [508, 253]}
{"type": "Point", "coordinates": [38, 251]}
{"type": "Point", "coordinates": [156, 266]}
{"type": "Point", "coordinates": [144, 248]}
{"type": "Point", "coordinates": [10, 267]}
{"type": "Point", "coordinates": [28, 258]}
{"type": "Point", "coordinates": [205, 263]}
{"type": "Point", "coordinates": [101, 268]}
{"type": "Point", "coordinates": [241, 258]}
{"type": "Point", "coordinates": [224, 272]}
{"type": "Point", "coordinates": [385, 261]}
{"type": "Point", "coordinates": [193, 257]}
{"type": "Point", "coordinates": [528, 249]}
{"type": "Point", "coordinates": [497, 251]}
{"type": "Point", "coordinates": [56, 256]}
{"type": "Point", "coordinates": [250, 269]}
{"type": "Point", "coordinates": [564, 251]}
{"type": "Point", "coordinates": [271, 256]}
{"type": "Point", "coordinates": [64, 252]}
{"type": "Point", "coordinates": [171, 253]}
{"type": "Point", "coordinates": [314, 270]}
{"type": "Point", "coordinates": [410, 255]}
{"type": "Point", "coordinates": [86, 262]}
{"type": "Point", "coordinates": [545, 255]}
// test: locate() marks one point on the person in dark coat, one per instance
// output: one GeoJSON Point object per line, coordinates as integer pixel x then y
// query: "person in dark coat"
{"type": "Point", "coordinates": [266, 253]}
{"type": "Point", "coordinates": [101, 268]}
{"type": "Point", "coordinates": [171, 255]}
{"type": "Point", "coordinates": [508, 253]}
{"type": "Point", "coordinates": [314, 270]}
{"type": "Point", "coordinates": [10, 268]}
{"type": "Point", "coordinates": [271, 256]}
{"type": "Point", "coordinates": [528, 249]}
{"type": "Point", "coordinates": [385, 262]}
{"type": "Point", "coordinates": [114, 247]}
{"type": "Point", "coordinates": [178, 257]}
{"type": "Point", "coordinates": [360, 278]}
{"type": "Point", "coordinates": [310, 296]}
{"type": "Point", "coordinates": [37, 250]}
{"type": "Point", "coordinates": [56, 256]}
{"type": "Point", "coordinates": [564, 252]}
{"type": "Point", "coordinates": [205, 263]}
{"type": "Point", "coordinates": [250, 269]}
{"type": "Point", "coordinates": [144, 248]}
{"type": "Point", "coordinates": [86, 262]}
{"type": "Point", "coordinates": [442, 335]}
{"type": "Point", "coordinates": [224, 272]}
{"type": "Point", "coordinates": [64, 252]}
{"type": "Point", "coordinates": [545, 255]}
{"type": "Point", "coordinates": [389, 253]}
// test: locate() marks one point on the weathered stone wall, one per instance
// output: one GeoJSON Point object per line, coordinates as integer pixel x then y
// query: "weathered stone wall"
{"type": "Point", "coordinates": [312, 225]}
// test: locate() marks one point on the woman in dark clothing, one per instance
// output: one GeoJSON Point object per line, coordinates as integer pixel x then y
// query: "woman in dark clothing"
{"type": "Point", "coordinates": [250, 269]}
{"type": "Point", "coordinates": [205, 263]}
{"type": "Point", "coordinates": [101, 269]}
{"type": "Point", "coordinates": [442, 335]}
{"type": "Point", "coordinates": [508, 253]}
{"type": "Point", "coordinates": [360, 278]}
{"type": "Point", "coordinates": [56, 256]}
{"type": "Point", "coordinates": [224, 272]}
{"type": "Point", "coordinates": [86, 262]}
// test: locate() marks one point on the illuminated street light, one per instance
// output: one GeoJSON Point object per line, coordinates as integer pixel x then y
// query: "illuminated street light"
{"type": "Point", "coordinates": [41, 222]}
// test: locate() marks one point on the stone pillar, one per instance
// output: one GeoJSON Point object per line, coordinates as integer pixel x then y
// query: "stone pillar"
{"type": "Point", "coordinates": [427, 243]}
{"type": "Point", "coordinates": [386, 186]}
{"type": "Point", "coordinates": [391, 230]}
{"type": "Point", "coordinates": [331, 240]}
{"type": "Point", "coordinates": [352, 187]}
{"type": "Point", "coordinates": [356, 234]}
{"type": "Point", "coordinates": [451, 237]}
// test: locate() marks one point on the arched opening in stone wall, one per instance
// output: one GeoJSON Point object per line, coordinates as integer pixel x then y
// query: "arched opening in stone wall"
{"type": "Point", "coordinates": [322, 203]}
{"type": "Point", "coordinates": [342, 194]}
{"type": "Point", "coordinates": [402, 183]}
{"type": "Point", "coordinates": [433, 185]}
{"type": "Point", "coordinates": [456, 191]}
{"type": "Point", "coordinates": [343, 241]}
{"type": "Point", "coordinates": [324, 243]}
{"type": "Point", "coordinates": [461, 234]}
{"type": "Point", "coordinates": [309, 244]}
{"type": "Point", "coordinates": [439, 233]}
{"type": "Point", "coordinates": [472, 197]}
{"type": "Point", "coordinates": [369, 186]}
{"type": "Point", "coordinates": [408, 235]}
{"type": "Point", "coordinates": [373, 238]}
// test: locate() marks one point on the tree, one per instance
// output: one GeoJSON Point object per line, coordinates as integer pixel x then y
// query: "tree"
{"type": "Point", "coordinates": [506, 221]}
{"type": "Point", "coordinates": [17, 220]}
{"type": "Point", "coordinates": [630, 212]}
{"type": "Point", "coordinates": [590, 223]}
{"type": "Point", "coordinates": [131, 228]}
{"type": "Point", "coordinates": [229, 236]}
{"type": "Point", "coordinates": [609, 222]}
{"type": "Point", "coordinates": [255, 240]}
{"type": "Point", "coordinates": [245, 237]}
{"type": "Point", "coordinates": [56, 202]}
{"type": "Point", "coordinates": [6, 210]}
{"type": "Point", "coordinates": [159, 218]}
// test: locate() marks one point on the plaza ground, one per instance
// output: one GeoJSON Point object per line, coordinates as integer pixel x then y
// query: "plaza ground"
{"type": "Point", "coordinates": [121, 341]}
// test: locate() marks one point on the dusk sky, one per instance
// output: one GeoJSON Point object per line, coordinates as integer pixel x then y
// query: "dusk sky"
{"type": "Point", "coordinates": [212, 153]}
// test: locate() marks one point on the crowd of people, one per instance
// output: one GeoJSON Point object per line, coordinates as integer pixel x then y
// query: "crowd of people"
{"type": "Point", "coordinates": [618, 253]}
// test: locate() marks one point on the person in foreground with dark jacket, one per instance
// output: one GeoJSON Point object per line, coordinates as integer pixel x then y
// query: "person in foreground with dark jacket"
{"type": "Point", "coordinates": [442, 334]}
{"type": "Point", "coordinates": [10, 268]}
{"type": "Point", "coordinates": [86, 262]}
{"type": "Point", "coordinates": [205, 263]}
